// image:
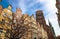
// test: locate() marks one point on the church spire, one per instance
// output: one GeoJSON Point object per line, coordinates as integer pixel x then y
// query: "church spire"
{"type": "Point", "coordinates": [52, 29]}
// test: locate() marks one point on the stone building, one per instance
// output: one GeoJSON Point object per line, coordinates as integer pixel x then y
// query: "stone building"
{"type": "Point", "coordinates": [15, 23]}
{"type": "Point", "coordinates": [58, 7]}
{"type": "Point", "coordinates": [40, 17]}
{"type": "Point", "coordinates": [23, 26]}
{"type": "Point", "coordinates": [26, 27]}
{"type": "Point", "coordinates": [35, 30]}
{"type": "Point", "coordinates": [19, 26]}
{"type": "Point", "coordinates": [5, 26]}
{"type": "Point", "coordinates": [42, 34]}
{"type": "Point", "coordinates": [41, 20]}
{"type": "Point", "coordinates": [32, 31]}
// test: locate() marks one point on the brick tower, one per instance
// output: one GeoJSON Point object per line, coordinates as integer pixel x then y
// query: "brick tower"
{"type": "Point", "coordinates": [41, 20]}
{"type": "Point", "coordinates": [40, 17]}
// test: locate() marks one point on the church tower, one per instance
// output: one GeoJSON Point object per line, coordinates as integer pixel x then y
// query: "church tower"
{"type": "Point", "coordinates": [40, 17]}
{"type": "Point", "coordinates": [52, 29]}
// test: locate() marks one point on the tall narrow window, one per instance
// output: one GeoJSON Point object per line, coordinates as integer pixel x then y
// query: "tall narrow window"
{"type": "Point", "coordinates": [35, 38]}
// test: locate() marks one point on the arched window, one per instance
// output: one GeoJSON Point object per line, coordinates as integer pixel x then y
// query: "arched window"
{"type": "Point", "coordinates": [40, 38]}
{"type": "Point", "coordinates": [34, 37]}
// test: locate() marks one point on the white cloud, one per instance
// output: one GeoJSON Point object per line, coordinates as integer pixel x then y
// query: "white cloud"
{"type": "Point", "coordinates": [55, 25]}
{"type": "Point", "coordinates": [51, 9]}
{"type": "Point", "coordinates": [53, 19]}
{"type": "Point", "coordinates": [22, 6]}
{"type": "Point", "coordinates": [32, 4]}
{"type": "Point", "coordinates": [42, 1]}
{"type": "Point", "coordinates": [49, 6]}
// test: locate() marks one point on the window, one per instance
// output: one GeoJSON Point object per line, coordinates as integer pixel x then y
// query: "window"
{"type": "Point", "coordinates": [14, 28]}
{"type": "Point", "coordinates": [4, 15]}
{"type": "Point", "coordinates": [24, 38]}
{"type": "Point", "coordinates": [35, 38]}
{"type": "Point", "coordinates": [14, 21]}
{"type": "Point", "coordinates": [1, 29]}
{"type": "Point", "coordinates": [39, 15]}
{"type": "Point", "coordinates": [10, 17]}
{"type": "Point", "coordinates": [3, 21]}
{"type": "Point", "coordinates": [8, 31]}
{"type": "Point", "coordinates": [0, 38]}
{"type": "Point", "coordinates": [17, 37]}
{"type": "Point", "coordinates": [25, 22]}
{"type": "Point", "coordinates": [40, 38]}
{"type": "Point", "coordinates": [5, 38]}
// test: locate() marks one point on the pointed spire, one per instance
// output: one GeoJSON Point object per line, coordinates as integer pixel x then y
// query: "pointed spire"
{"type": "Point", "coordinates": [32, 15]}
{"type": "Point", "coordinates": [52, 29]}
{"type": "Point", "coordinates": [9, 7]}
{"type": "Point", "coordinates": [50, 23]}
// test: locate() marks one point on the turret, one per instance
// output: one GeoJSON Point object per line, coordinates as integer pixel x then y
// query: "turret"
{"type": "Point", "coordinates": [10, 7]}
{"type": "Point", "coordinates": [52, 29]}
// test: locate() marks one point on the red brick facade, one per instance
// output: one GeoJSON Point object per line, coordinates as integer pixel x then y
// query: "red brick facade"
{"type": "Point", "coordinates": [41, 20]}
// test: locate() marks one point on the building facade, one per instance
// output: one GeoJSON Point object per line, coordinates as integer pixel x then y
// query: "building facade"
{"type": "Point", "coordinates": [42, 34]}
{"type": "Point", "coordinates": [32, 31]}
{"type": "Point", "coordinates": [23, 26]}
{"type": "Point", "coordinates": [41, 20]}
{"type": "Point", "coordinates": [35, 30]}
{"type": "Point", "coordinates": [40, 17]}
{"type": "Point", "coordinates": [20, 24]}
{"type": "Point", "coordinates": [5, 26]}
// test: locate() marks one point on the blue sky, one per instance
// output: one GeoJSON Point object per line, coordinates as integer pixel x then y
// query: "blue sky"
{"type": "Point", "coordinates": [4, 3]}
{"type": "Point", "coordinates": [30, 7]}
